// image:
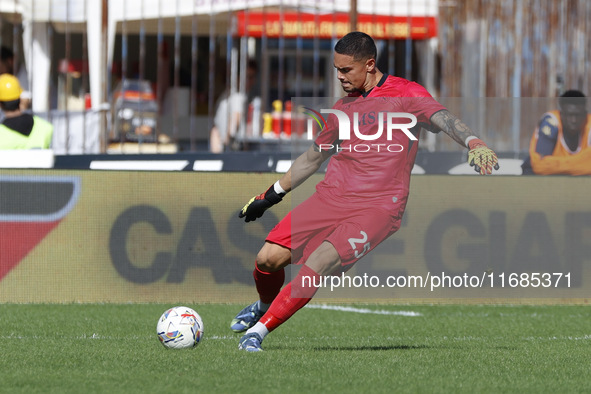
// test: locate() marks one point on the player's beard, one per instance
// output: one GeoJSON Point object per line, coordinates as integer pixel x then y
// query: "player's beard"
{"type": "Point", "coordinates": [348, 87]}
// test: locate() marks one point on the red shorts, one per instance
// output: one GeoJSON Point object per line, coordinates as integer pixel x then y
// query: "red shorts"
{"type": "Point", "coordinates": [353, 233]}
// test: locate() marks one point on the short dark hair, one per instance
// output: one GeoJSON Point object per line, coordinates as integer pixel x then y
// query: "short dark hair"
{"type": "Point", "coordinates": [572, 97]}
{"type": "Point", "coordinates": [357, 44]}
{"type": "Point", "coordinates": [11, 105]}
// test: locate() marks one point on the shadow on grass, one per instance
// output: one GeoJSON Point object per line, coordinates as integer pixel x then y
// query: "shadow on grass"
{"type": "Point", "coordinates": [373, 348]}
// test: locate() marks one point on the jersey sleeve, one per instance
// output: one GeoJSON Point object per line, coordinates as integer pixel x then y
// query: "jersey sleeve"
{"type": "Point", "coordinates": [547, 135]}
{"type": "Point", "coordinates": [421, 104]}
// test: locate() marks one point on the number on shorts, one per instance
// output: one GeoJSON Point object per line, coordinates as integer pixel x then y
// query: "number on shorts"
{"type": "Point", "coordinates": [363, 240]}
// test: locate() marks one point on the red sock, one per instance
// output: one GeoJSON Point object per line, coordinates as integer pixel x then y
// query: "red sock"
{"type": "Point", "coordinates": [268, 284]}
{"type": "Point", "coordinates": [284, 306]}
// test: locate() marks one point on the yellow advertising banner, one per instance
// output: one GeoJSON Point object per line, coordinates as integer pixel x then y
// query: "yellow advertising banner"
{"type": "Point", "coordinates": [130, 236]}
{"type": "Point", "coordinates": [121, 236]}
{"type": "Point", "coordinates": [486, 237]}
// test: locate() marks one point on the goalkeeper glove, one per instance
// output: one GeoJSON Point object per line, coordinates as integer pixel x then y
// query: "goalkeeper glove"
{"type": "Point", "coordinates": [481, 157]}
{"type": "Point", "coordinates": [257, 205]}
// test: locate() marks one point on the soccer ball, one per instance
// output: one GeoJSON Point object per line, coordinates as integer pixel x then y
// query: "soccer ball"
{"type": "Point", "coordinates": [180, 327]}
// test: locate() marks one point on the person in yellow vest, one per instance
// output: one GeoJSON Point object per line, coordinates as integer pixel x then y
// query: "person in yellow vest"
{"type": "Point", "coordinates": [561, 143]}
{"type": "Point", "coordinates": [20, 130]}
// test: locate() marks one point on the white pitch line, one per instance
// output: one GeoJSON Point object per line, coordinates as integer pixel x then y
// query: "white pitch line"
{"type": "Point", "coordinates": [362, 310]}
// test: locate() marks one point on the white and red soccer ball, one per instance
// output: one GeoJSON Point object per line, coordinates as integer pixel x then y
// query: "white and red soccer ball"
{"type": "Point", "coordinates": [180, 327]}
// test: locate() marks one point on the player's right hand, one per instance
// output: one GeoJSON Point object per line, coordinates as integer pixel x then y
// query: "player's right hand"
{"type": "Point", "coordinates": [257, 205]}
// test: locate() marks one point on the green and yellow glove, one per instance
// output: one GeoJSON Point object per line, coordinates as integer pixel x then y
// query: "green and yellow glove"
{"type": "Point", "coordinates": [257, 205]}
{"type": "Point", "coordinates": [481, 157]}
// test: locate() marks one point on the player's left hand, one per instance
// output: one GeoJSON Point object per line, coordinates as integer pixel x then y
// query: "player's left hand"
{"type": "Point", "coordinates": [481, 157]}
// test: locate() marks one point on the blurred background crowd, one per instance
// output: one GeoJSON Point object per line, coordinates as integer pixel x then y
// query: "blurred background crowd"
{"type": "Point", "coordinates": [156, 76]}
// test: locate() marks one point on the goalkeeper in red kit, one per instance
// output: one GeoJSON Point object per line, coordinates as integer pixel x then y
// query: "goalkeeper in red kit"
{"type": "Point", "coordinates": [369, 170]}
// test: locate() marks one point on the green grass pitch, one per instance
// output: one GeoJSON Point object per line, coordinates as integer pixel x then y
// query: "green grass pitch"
{"type": "Point", "coordinates": [106, 348]}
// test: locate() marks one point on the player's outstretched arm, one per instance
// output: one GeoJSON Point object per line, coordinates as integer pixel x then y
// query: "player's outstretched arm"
{"type": "Point", "coordinates": [480, 156]}
{"type": "Point", "coordinates": [304, 166]}
{"type": "Point", "coordinates": [301, 169]}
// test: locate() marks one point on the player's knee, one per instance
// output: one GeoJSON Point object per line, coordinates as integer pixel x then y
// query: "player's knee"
{"type": "Point", "coordinates": [267, 262]}
{"type": "Point", "coordinates": [270, 259]}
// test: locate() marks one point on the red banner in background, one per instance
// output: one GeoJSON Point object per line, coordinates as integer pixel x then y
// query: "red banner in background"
{"type": "Point", "coordinates": [30, 208]}
{"type": "Point", "coordinates": [380, 27]}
